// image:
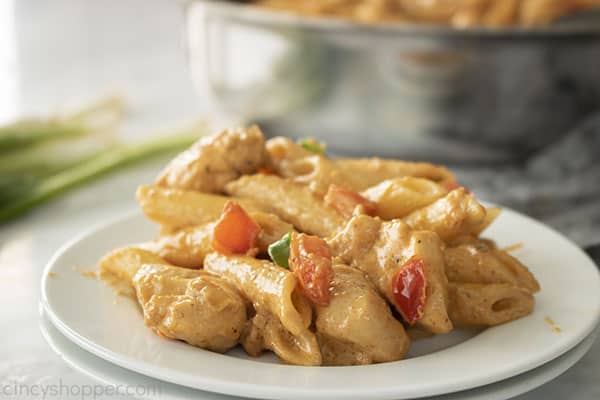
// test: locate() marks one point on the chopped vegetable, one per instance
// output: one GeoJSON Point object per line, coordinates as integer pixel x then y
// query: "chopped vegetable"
{"type": "Point", "coordinates": [279, 251]}
{"type": "Point", "coordinates": [313, 145]}
{"type": "Point", "coordinates": [409, 290]}
{"type": "Point", "coordinates": [311, 261]}
{"type": "Point", "coordinates": [100, 117]}
{"type": "Point", "coordinates": [345, 201]}
{"type": "Point", "coordinates": [41, 158]}
{"type": "Point", "coordinates": [235, 232]}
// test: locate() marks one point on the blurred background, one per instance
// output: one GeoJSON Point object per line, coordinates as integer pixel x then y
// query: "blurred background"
{"type": "Point", "coordinates": [514, 110]}
{"type": "Point", "coordinates": [60, 54]}
{"type": "Point", "coordinates": [515, 113]}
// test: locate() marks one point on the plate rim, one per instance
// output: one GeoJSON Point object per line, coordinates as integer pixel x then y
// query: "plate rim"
{"type": "Point", "coordinates": [520, 383]}
{"type": "Point", "coordinates": [254, 390]}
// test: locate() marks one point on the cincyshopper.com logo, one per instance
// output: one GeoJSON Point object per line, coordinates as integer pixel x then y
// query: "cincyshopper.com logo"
{"type": "Point", "coordinates": [61, 390]}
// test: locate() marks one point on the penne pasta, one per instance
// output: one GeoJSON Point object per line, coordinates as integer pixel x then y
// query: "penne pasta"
{"type": "Point", "coordinates": [264, 331]}
{"type": "Point", "coordinates": [188, 247]}
{"type": "Point", "coordinates": [429, 11]}
{"type": "Point", "coordinates": [470, 14]}
{"type": "Point", "coordinates": [290, 201]}
{"type": "Point", "coordinates": [268, 287]}
{"type": "Point", "coordinates": [379, 10]}
{"type": "Point", "coordinates": [294, 162]}
{"type": "Point", "coordinates": [214, 161]}
{"type": "Point", "coordinates": [457, 13]}
{"type": "Point", "coordinates": [368, 334]}
{"type": "Point", "coordinates": [282, 151]}
{"type": "Point", "coordinates": [474, 304]}
{"type": "Point", "coordinates": [272, 228]}
{"type": "Point", "coordinates": [478, 262]}
{"type": "Point", "coordinates": [381, 249]}
{"type": "Point", "coordinates": [123, 263]}
{"type": "Point", "coordinates": [524, 278]}
{"type": "Point", "coordinates": [398, 197]}
{"type": "Point", "coordinates": [367, 172]}
{"type": "Point", "coordinates": [450, 216]}
{"type": "Point", "coordinates": [184, 248]}
{"type": "Point", "coordinates": [501, 13]}
{"type": "Point", "coordinates": [540, 12]}
{"type": "Point", "coordinates": [319, 172]}
{"type": "Point", "coordinates": [175, 208]}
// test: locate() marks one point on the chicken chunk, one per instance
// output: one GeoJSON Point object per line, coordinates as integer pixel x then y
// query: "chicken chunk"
{"type": "Point", "coordinates": [214, 161]}
{"type": "Point", "coordinates": [178, 303]}
{"type": "Point", "coordinates": [190, 305]}
{"type": "Point", "coordinates": [382, 249]}
{"type": "Point", "coordinates": [475, 260]}
{"type": "Point", "coordinates": [450, 216]}
{"type": "Point", "coordinates": [357, 327]}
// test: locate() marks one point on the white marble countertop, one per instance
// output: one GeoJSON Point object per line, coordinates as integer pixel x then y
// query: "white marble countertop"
{"type": "Point", "coordinates": [65, 51]}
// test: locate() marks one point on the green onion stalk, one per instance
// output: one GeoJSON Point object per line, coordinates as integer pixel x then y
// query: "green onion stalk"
{"type": "Point", "coordinates": [44, 158]}
{"type": "Point", "coordinates": [35, 192]}
{"type": "Point", "coordinates": [98, 117]}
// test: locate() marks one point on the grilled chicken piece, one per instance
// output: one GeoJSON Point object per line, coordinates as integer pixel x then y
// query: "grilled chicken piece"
{"type": "Point", "coordinates": [190, 305]}
{"type": "Point", "coordinates": [357, 327]}
{"type": "Point", "coordinates": [381, 249]}
{"type": "Point", "coordinates": [214, 161]}
{"type": "Point", "coordinates": [195, 306]}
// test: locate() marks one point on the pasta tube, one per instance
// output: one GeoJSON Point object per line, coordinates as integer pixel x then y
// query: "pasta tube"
{"type": "Point", "coordinates": [316, 171]}
{"type": "Point", "coordinates": [289, 201]}
{"type": "Point", "coordinates": [184, 248]}
{"type": "Point", "coordinates": [367, 172]}
{"type": "Point", "coordinates": [319, 172]}
{"type": "Point", "coordinates": [264, 331]}
{"type": "Point", "coordinates": [382, 249]}
{"type": "Point", "coordinates": [270, 288]}
{"type": "Point", "coordinates": [540, 12]}
{"type": "Point", "coordinates": [177, 208]}
{"type": "Point", "coordinates": [358, 321]}
{"type": "Point", "coordinates": [430, 11]}
{"type": "Point", "coordinates": [477, 261]}
{"type": "Point", "coordinates": [470, 14]}
{"type": "Point", "coordinates": [473, 304]}
{"type": "Point", "coordinates": [455, 214]}
{"type": "Point", "coordinates": [188, 247]}
{"type": "Point", "coordinates": [396, 198]}
{"type": "Point", "coordinates": [501, 13]}
{"type": "Point", "coordinates": [122, 264]}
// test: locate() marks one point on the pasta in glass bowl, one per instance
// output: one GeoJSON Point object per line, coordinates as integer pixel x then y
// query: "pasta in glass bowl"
{"type": "Point", "coordinates": [483, 93]}
{"type": "Point", "coordinates": [324, 261]}
{"type": "Point", "coordinates": [457, 13]}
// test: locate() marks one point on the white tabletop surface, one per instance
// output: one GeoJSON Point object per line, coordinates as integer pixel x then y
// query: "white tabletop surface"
{"type": "Point", "coordinates": [65, 51]}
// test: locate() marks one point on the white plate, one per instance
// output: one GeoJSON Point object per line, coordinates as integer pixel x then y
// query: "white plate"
{"type": "Point", "coordinates": [85, 311]}
{"type": "Point", "coordinates": [110, 374]}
